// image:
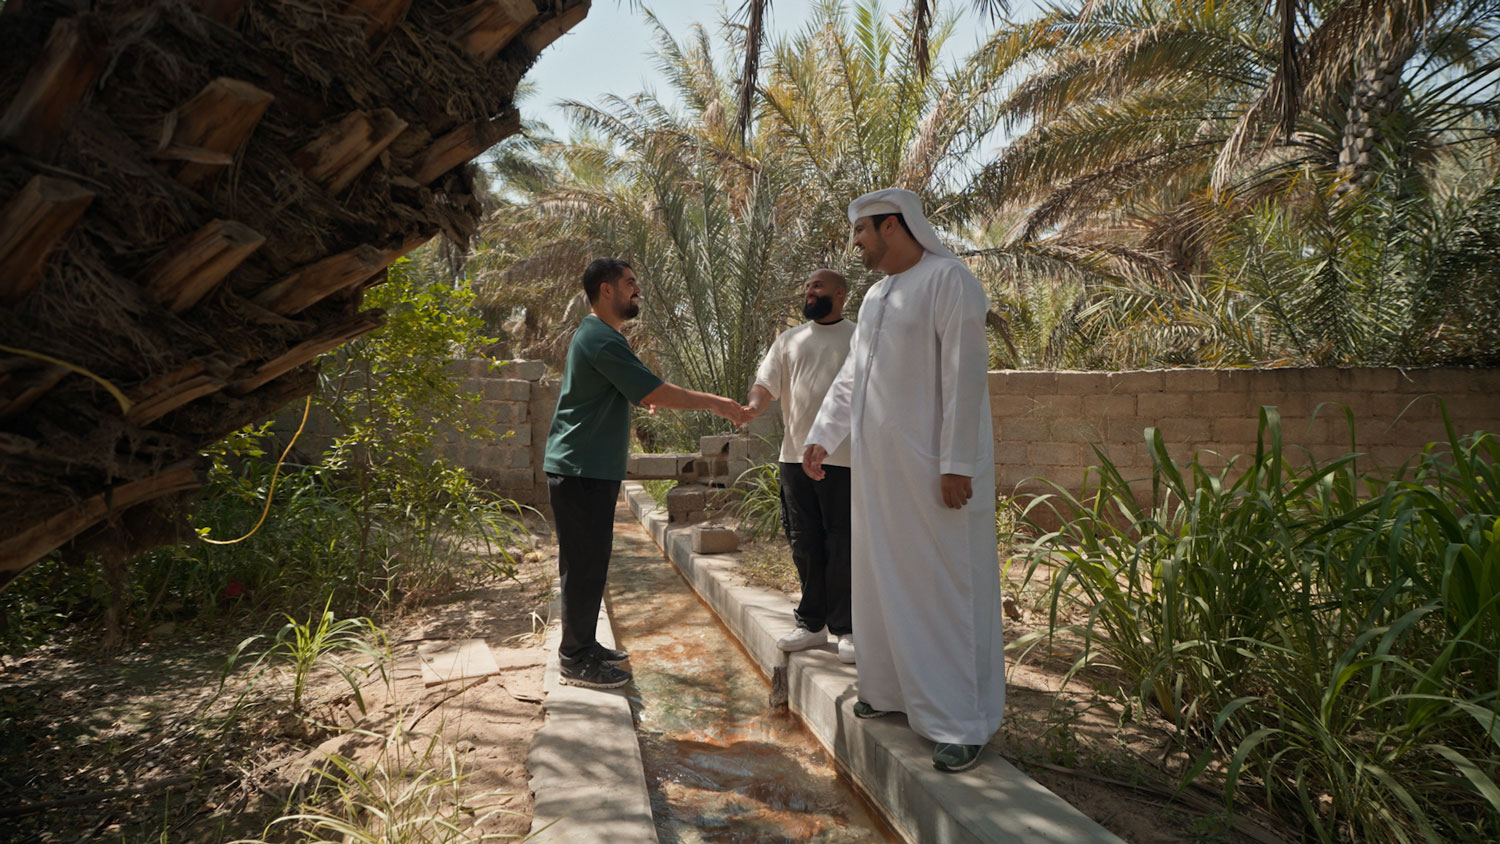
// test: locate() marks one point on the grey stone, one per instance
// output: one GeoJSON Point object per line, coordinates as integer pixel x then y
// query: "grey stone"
{"type": "Point", "coordinates": [525, 370]}
{"type": "Point", "coordinates": [710, 539]}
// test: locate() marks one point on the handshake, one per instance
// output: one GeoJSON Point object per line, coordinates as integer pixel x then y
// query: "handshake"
{"type": "Point", "coordinates": [673, 397]}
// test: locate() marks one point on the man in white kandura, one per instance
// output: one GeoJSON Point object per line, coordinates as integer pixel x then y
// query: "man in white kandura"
{"type": "Point", "coordinates": [913, 400]}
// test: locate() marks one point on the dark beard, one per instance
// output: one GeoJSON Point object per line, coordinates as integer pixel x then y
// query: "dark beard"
{"type": "Point", "coordinates": [819, 307]}
{"type": "Point", "coordinates": [631, 311]}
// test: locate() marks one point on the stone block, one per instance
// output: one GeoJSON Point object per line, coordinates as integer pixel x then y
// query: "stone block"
{"type": "Point", "coordinates": [709, 539]}
{"type": "Point", "coordinates": [1109, 406]}
{"type": "Point", "coordinates": [651, 466]}
{"type": "Point", "coordinates": [524, 370]}
{"type": "Point", "coordinates": [734, 468]}
{"type": "Point", "coordinates": [1137, 382]}
{"type": "Point", "coordinates": [1235, 380]}
{"type": "Point", "coordinates": [1193, 431]}
{"type": "Point", "coordinates": [686, 498]}
{"type": "Point", "coordinates": [1190, 380]}
{"type": "Point", "coordinates": [1053, 454]}
{"type": "Point", "coordinates": [716, 444]}
{"type": "Point", "coordinates": [1082, 383]}
{"type": "Point", "coordinates": [1154, 406]}
{"type": "Point", "coordinates": [1051, 407]}
{"type": "Point", "coordinates": [1022, 430]}
{"type": "Point", "coordinates": [1010, 453]}
{"type": "Point", "coordinates": [1023, 383]}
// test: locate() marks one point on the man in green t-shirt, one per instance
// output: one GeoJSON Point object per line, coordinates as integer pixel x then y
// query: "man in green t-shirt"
{"type": "Point", "coordinates": [585, 463]}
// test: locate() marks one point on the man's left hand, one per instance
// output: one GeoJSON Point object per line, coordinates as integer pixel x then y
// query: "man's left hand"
{"type": "Point", "coordinates": [957, 490]}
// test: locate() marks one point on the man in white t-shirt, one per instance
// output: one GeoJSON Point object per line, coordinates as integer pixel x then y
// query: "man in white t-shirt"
{"type": "Point", "coordinates": [798, 370]}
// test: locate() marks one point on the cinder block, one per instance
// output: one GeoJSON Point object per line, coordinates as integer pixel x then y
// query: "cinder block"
{"type": "Point", "coordinates": [525, 370]}
{"type": "Point", "coordinates": [1023, 430]}
{"type": "Point", "coordinates": [1049, 407]}
{"type": "Point", "coordinates": [1010, 453]}
{"type": "Point", "coordinates": [1153, 406]}
{"type": "Point", "coordinates": [1084, 384]}
{"type": "Point", "coordinates": [686, 497]}
{"type": "Point", "coordinates": [739, 449]}
{"type": "Point", "coordinates": [1190, 380]}
{"type": "Point", "coordinates": [1233, 380]}
{"type": "Point", "coordinates": [709, 539]}
{"type": "Point", "coordinates": [1109, 405]}
{"type": "Point", "coordinates": [1137, 382]}
{"type": "Point", "coordinates": [716, 444]}
{"type": "Point", "coordinates": [1236, 429]}
{"type": "Point", "coordinates": [1053, 454]}
{"type": "Point", "coordinates": [735, 468]}
{"type": "Point", "coordinates": [1076, 431]}
{"type": "Point", "coordinates": [1194, 431]}
{"type": "Point", "coordinates": [651, 466]}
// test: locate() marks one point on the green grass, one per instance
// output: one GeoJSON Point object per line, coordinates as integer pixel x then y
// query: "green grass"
{"type": "Point", "coordinates": [1329, 637]}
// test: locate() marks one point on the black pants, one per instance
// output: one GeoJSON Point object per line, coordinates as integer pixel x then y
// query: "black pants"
{"type": "Point", "coordinates": [815, 515]}
{"type": "Point", "coordinates": [583, 509]}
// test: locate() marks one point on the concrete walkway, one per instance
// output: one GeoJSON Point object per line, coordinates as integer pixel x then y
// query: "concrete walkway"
{"type": "Point", "coordinates": [993, 802]}
{"type": "Point", "coordinates": [585, 764]}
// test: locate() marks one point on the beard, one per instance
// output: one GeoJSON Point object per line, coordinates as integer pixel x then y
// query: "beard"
{"type": "Point", "coordinates": [819, 307]}
{"type": "Point", "coordinates": [631, 310]}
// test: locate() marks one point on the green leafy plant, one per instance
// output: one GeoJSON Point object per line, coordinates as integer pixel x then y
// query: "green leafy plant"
{"type": "Point", "coordinates": [301, 646]}
{"type": "Point", "coordinates": [758, 507]}
{"type": "Point", "coordinates": [1328, 636]}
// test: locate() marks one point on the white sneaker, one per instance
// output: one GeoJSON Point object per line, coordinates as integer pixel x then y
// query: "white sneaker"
{"type": "Point", "coordinates": [846, 648]}
{"type": "Point", "coordinates": [800, 639]}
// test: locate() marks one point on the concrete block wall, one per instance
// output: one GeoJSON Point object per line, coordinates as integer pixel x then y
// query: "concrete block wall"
{"type": "Point", "coordinates": [1047, 423]}
{"type": "Point", "coordinates": [516, 403]}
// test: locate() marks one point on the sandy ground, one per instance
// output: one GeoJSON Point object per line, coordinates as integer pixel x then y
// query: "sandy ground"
{"type": "Point", "coordinates": [135, 746]}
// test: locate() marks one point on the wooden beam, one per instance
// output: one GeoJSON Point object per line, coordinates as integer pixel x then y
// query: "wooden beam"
{"type": "Point", "coordinates": [69, 64]}
{"type": "Point", "coordinates": [26, 547]}
{"type": "Point", "coordinates": [329, 338]}
{"type": "Point", "coordinates": [464, 144]}
{"type": "Point", "coordinates": [342, 151]}
{"type": "Point", "coordinates": [218, 119]}
{"type": "Point", "coordinates": [381, 16]}
{"type": "Point", "coordinates": [35, 388]}
{"type": "Point", "coordinates": [544, 33]}
{"type": "Point", "coordinates": [31, 225]}
{"type": "Point", "coordinates": [317, 281]}
{"type": "Point", "coordinates": [189, 269]}
{"type": "Point", "coordinates": [482, 28]}
{"type": "Point", "coordinates": [150, 409]}
{"type": "Point", "coordinates": [160, 396]}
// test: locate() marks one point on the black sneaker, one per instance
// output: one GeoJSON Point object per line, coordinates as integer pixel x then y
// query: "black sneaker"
{"type": "Point", "coordinates": [593, 674]}
{"type": "Point", "coordinates": [866, 711]}
{"type": "Point", "coordinates": [608, 656]}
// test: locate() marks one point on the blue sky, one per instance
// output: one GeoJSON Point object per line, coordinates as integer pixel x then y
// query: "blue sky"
{"type": "Point", "coordinates": [610, 51]}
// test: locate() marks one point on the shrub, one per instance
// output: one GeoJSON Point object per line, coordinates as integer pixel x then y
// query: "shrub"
{"type": "Point", "coordinates": [1330, 635]}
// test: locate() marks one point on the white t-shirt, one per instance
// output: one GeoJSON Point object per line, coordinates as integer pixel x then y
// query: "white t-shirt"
{"type": "Point", "coordinates": [798, 371]}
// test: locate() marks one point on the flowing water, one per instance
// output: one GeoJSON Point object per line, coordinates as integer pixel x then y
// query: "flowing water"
{"type": "Point", "coordinates": [722, 765]}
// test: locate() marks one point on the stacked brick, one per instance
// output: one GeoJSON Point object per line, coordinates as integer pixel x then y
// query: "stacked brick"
{"type": "Point", "coordinates": [1047, 424]}
{"type": "Point", "coordinates": [516, 404]}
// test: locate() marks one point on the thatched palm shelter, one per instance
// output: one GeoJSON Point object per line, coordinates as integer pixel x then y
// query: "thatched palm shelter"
{"type": "Point", "coordinates": [193, 195]}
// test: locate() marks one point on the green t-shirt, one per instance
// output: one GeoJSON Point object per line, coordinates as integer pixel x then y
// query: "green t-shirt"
{"type": "Point", "coordinates": [591, 429]}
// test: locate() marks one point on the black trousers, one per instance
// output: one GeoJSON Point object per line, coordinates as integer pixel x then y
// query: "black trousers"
{"type": "Point", "coordinates": [583, 510]}
{"type": "Point", "coordinates": [815, 515]}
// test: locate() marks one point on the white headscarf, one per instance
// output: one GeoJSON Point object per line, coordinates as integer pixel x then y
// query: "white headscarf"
{"type": "Point", "coordinates": [909, 206]}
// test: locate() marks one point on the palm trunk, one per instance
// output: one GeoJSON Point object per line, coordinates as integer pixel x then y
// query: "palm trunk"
{"type": "Point", "coordinates": [193, 196]}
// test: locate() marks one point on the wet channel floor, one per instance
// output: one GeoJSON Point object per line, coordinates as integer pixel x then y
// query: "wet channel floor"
{"type": "Point", "coordinates": [722, 765]}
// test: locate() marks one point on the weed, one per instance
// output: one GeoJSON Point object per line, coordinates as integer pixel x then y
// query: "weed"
{"type": "Point", "coordinates": [302, 646]}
